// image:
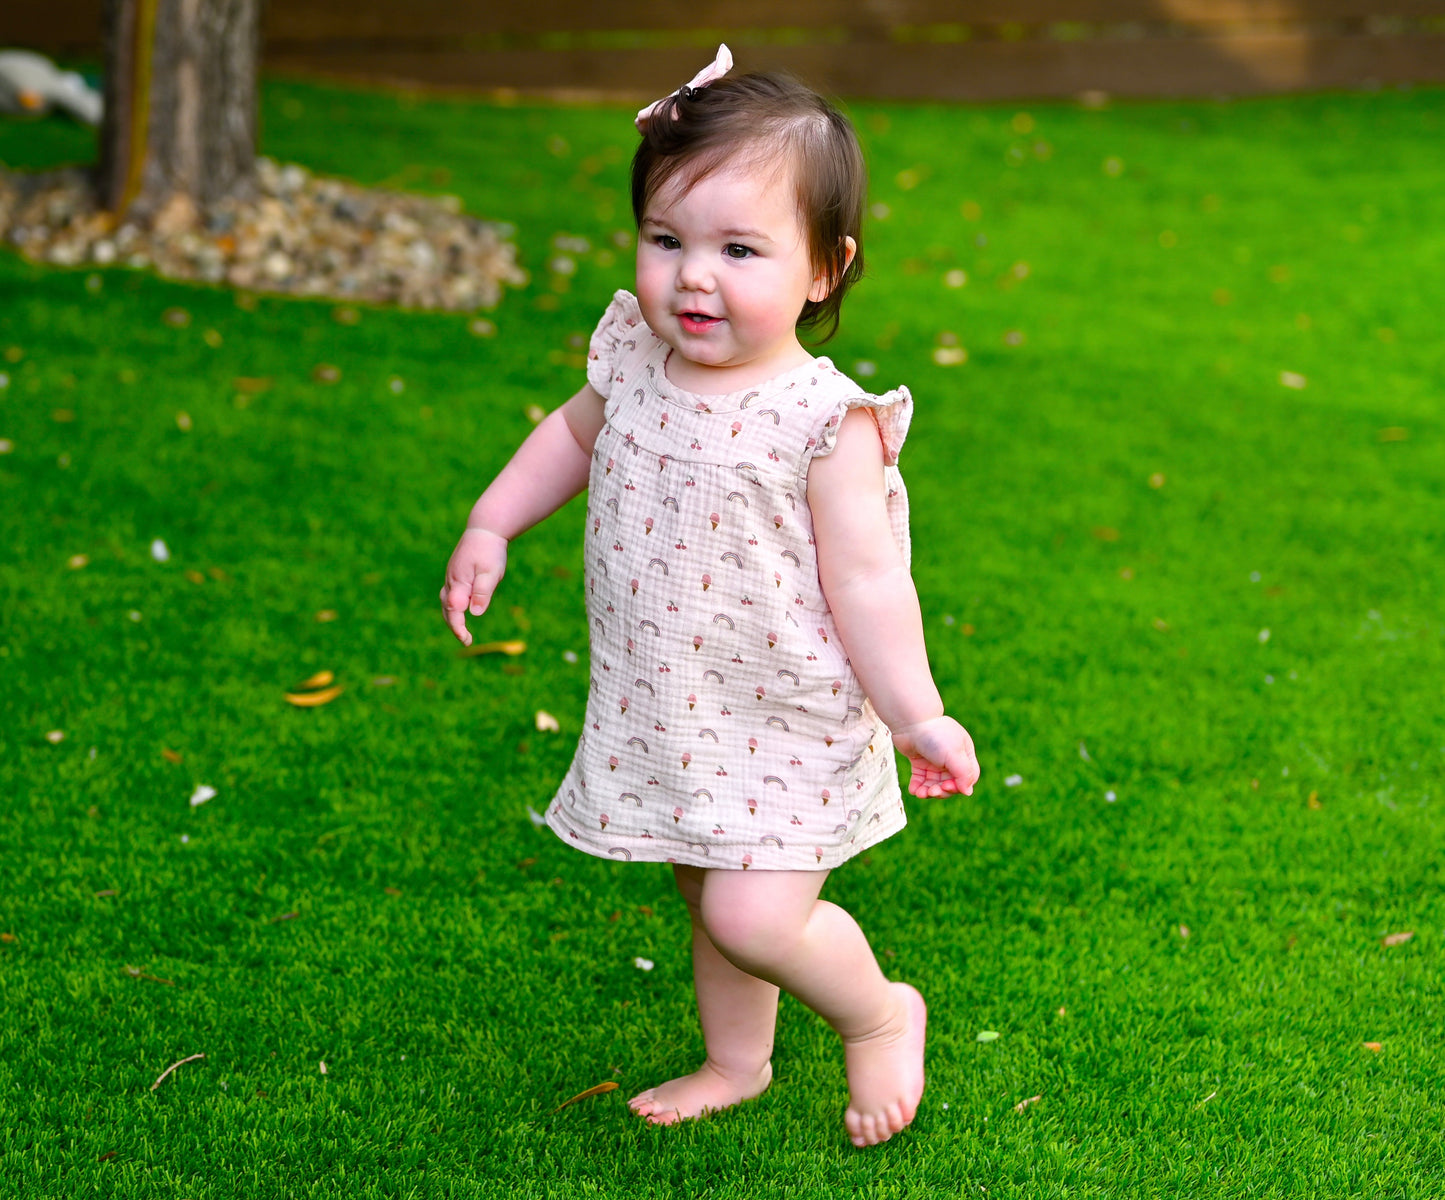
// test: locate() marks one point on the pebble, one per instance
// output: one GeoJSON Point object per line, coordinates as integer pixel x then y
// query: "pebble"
{"type": "Point", "coordinates": [298, 233]}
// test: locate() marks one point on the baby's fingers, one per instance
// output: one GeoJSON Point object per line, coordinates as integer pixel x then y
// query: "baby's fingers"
{"type": "Point", "coordinates": [454, 608]}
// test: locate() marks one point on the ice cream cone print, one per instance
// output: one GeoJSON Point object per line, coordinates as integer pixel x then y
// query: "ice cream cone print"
{"type": "Point", "coordinates": [677, 814]}
{"type": "Point", "coordinates": [647, 525]}
{"type": "Point", "coordinates": [777, 520]}
{"type": "Point", "coordinates": [827, 795]}
{"type": "Point", "coordinates": [612, 763]}
{"type": "Point", "coordinates": [610, 464]}
{"type": "Point", "coordinates": [761, 693]}
{"type": "Point", "coordinates": [663, 423]}
{"type": "Point", "coordinates": [714, 518]}
{"type": "Point", "coordinates": [686, 758]}
{"type": "Point", "coordinates": [737, 428]}
{"type": "Point", "coordinates": [634, 587]}
{"type": "Point", "coordinates": [603, 820]}
{"type": "Point", "coordinates": [706, 582]}
{"type": "Point", "coordinates": [772, 640]}
{"type": "Point", "coordinates": [752, 745]}
{"type": "Point", "coordinates": [837, 686]}
{"type": "Point", "coordinates": [752, 807]}
{"type": "Point", "coordinates": [697, 642]}
{"type": "Point", "coordinates": [622, 703]}
{"type": "Point", "coordinates": [823, 633]}
{"type": "Point", "coordinates": [818, 853]}
{"type": "Point", "coordinates": [691, 700]}
{"type": "Point", "coordinates": [827, 739]}
{"type": "Point", "coordinates": [747, 861]}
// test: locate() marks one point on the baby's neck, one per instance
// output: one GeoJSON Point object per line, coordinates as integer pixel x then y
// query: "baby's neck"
{"type": "Point", "coordinates": [699, 379]}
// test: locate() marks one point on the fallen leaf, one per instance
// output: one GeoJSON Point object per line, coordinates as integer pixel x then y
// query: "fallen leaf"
{"type": "Point", "coordinates": [319, 680]}
{"type": "Point", "coordinates": [202, 793]}
{"type": "Point", "coordinates": [106, 1157]}
{"type": "Point", "coordinates": [1375, 1046]}
{"type": "Point", "coordinates": [1314, 801]}
{"type": "Point", "coordinates": [325, 373]}
{"type": "Point", "coordinates": [313, 699]}
{"type": "Point", "coordinates": [600, 1090]}
{"type": "Point", "coordinates": [106, 892]}
{"type": "Point", "coordinates": [512, 648]}
{"type": "Point", "coordinates": [392, 891]}
{"type": "Point", "coordinates": [251, 385]}
{"type": "Point", "coordinates": [170, 755]}
{"type": "Point", "coordinates": [7, 937]}
{"type": "Point", "coordinates": [1397, 939]}
{"type": "Point", "coordinates": [546, 722]}
{"type": "Point", "coordinates": [987, 1035]}
{"type": "Point", "coordinates": [1023, 1104]}
{"type": "Point", "coordinates": [195, 577]}
{"type": "Point", "coordinates": [1393, 433]}
{"type": "Point", "coordinates": [286, 916]}
{"type": "Point", "coordinates": [1106, 533]}
{"type": "Point", "coordinates": [326, 614]}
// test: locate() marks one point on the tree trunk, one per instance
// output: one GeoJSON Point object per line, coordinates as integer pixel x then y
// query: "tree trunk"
{"type": "Point", "coordinates": [180, 108]}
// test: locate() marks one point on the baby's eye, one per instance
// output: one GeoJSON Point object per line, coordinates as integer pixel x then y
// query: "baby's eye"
{"type": "Point", "coordinates": [667, 241]}
{"type": "Point", "coordinates": [733, 250]}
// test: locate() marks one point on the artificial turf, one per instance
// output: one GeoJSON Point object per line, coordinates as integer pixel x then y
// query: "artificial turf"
{"type": "Point", "coordinates": [1177, 530]}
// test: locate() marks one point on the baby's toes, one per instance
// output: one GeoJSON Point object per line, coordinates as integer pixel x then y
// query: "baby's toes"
{"type": "Point", "coordinates": [643, 1102]}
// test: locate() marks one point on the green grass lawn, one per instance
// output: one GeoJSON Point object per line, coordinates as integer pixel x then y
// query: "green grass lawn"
{"type": "Point", "coordinates": [1195, 610]}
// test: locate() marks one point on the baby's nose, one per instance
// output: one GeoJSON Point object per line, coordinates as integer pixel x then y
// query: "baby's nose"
{"type": "Point", "coordinates": [694, 276]}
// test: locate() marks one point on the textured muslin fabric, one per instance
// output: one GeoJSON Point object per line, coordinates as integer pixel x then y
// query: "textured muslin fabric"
{"type": "Point", "coordinates": [725, 727]}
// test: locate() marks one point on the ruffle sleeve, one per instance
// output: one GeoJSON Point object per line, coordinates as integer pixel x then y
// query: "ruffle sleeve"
{"type": "Point", "coordinates": [892, 410]}
{"type": "Point", "coordinates": [619, 323]}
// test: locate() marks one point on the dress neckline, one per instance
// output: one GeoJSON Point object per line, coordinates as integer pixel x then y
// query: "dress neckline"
{"type": "Point", "coordinates": [718, 402]}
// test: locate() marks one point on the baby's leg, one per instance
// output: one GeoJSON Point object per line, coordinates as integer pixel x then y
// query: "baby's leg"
{"type": "Point", "coordinates": [738, 1013]}
{"type": "Point", "coordinates": [772, 925]}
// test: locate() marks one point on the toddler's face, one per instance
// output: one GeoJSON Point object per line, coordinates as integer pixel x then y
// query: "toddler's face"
{"type": "Point", "coordinates": [722, 274]}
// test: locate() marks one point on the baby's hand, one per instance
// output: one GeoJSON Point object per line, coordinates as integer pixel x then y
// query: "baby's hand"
{"type": "Point", "coordinates": [942, 756]}
{"type": "Point", "coordinates": [473, 572]}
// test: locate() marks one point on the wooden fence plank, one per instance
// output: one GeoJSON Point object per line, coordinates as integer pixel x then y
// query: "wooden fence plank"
{"type": "Point", "coordinates": [962, 71]}
{"type": "Point", "coordinates": [850, 47]}
{"type": "Point", "coordinates": [295, 20]}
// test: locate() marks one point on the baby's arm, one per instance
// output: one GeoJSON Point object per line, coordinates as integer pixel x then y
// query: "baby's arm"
{"type": "Point", "coordinates": [548, 469]}
{"type": "Point", "coordinates": [875, 607]}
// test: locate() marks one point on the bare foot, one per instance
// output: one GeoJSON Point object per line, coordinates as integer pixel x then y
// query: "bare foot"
{"type": "Point", "coordinates": [705, 1090]}
{"type": "Point", "coordinates": [885, 1072]}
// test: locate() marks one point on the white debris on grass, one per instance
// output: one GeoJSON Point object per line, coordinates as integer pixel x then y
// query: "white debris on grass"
{"type": "Point", "coordinates": [160, 551]}
{"type": "Point", "coordinates": [1013, 781]}
{"type": "Point", "coordinates": [202, 793]}
{"type": "Point", "coordinates": [643, 964]}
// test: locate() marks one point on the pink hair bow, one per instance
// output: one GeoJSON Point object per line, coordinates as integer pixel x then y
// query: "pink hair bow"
{"type": "Point", "coordinates": [714, 71]}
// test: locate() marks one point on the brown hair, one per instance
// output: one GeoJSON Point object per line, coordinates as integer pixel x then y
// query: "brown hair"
{"type": "Point", "coordinates": [761, 119]}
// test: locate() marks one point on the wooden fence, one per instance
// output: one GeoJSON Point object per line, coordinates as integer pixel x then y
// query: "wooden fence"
{"type": "Point", "coordinates": [905, 49]}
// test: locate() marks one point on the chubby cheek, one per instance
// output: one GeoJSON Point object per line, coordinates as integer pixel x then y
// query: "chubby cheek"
{"type": "Point", "coordinates": [652, 284]}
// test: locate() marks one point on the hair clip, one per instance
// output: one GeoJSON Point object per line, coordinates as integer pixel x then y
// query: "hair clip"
{"type": "Point", "coordinates": [715, 70]}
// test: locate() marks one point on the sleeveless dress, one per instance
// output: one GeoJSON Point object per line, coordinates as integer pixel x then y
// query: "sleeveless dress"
{"type": "Point", "coordinates": [725, 727]}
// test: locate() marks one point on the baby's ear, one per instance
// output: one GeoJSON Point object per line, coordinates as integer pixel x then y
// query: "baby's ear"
{"type": "Point", "coordinates": [825, 281]}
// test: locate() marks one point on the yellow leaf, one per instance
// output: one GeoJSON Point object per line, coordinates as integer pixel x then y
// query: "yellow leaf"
{"type": "Point", "coordinates": [312, 699]}
{"type": "Point", "coordinates": [512, 648]}
{"type": "Point", "coordinates": [1375, 1046]}
{"type": "Point", "coordinates": [1396, 939]}
{"type": "Point", "coordinates": [600, 1089]}
{"type": "Point", "coordinates": [319, 680]}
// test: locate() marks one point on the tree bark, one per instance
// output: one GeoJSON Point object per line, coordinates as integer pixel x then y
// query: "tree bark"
{"type": "Point", "coordinates": [179, 132]}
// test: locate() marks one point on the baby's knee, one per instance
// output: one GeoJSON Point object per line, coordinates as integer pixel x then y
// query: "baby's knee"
{"type": "Point", "coordinates": [747, 930]}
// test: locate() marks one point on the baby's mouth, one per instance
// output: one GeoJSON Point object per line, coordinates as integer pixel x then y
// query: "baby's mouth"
{"type": "Point", "coordinates": [698, 322]}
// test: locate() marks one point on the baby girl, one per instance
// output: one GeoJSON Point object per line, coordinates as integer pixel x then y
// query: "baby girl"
{"type": "Point", "coordinates": [757, 652]}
